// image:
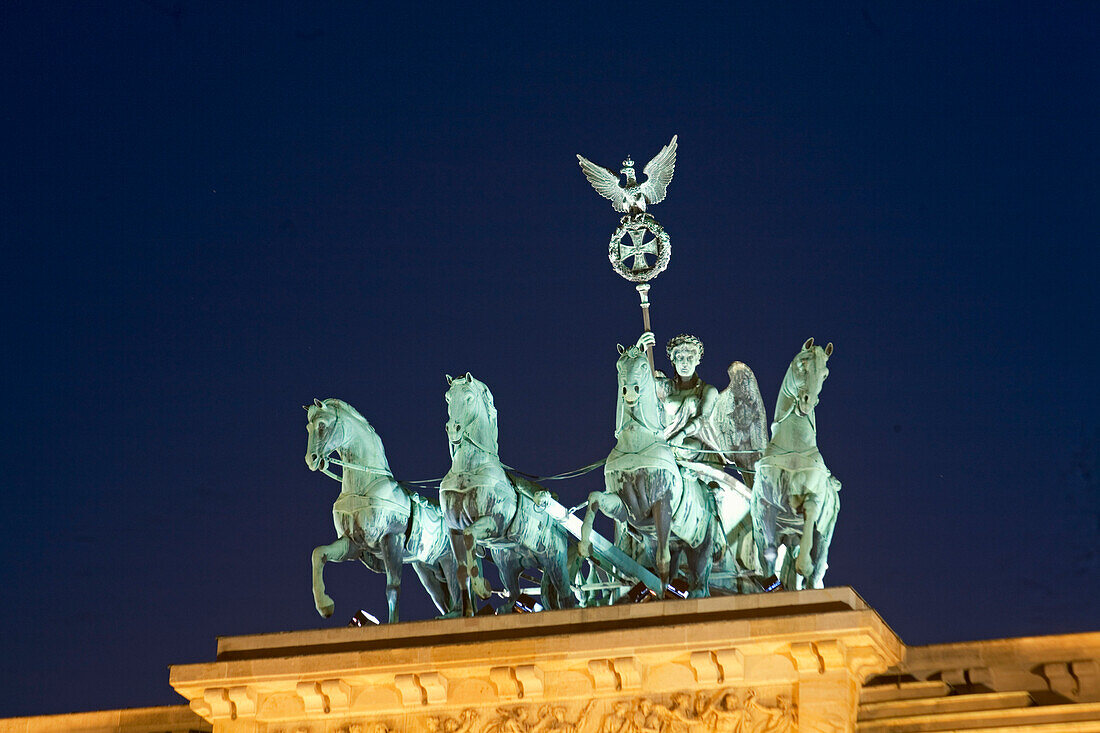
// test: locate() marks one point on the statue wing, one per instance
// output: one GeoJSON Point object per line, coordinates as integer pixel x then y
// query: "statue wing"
{"type": "Point", "coordinates": [659, 173]}
{"type": "Point", "coordinates": [739, 418]}
{"type": "Point", "coordinates": [605, 182]}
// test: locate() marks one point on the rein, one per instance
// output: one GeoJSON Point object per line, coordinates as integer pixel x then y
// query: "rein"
{"type": "Point", "coordinates": [786, 392]}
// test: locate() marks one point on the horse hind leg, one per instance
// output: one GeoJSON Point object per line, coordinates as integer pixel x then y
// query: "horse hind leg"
{"type": "Point", "coordinates": [434, 582]}
{"type": "Point", "coordinates": [701, 562]}
{"type": "Point", "coordinates": [449, 568]}
{"type": "Point", "coordinates": [765, 516]}
{"type": "Point", "coordinates": [556, 589]}
{"type": "Point", "coordinates": [340, 550]}
{"type": "Point", "coordinates": [509, 568]}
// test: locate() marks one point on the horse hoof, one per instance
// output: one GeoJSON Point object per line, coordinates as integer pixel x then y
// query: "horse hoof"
{"type": "Point", "coordinates": [481, 588]}
{"type": "Point", "coordinates": [456, 613]}
{"type": "Point", "coordinates": [326, 609]}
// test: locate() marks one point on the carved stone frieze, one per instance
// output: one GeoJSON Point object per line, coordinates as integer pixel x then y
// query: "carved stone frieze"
{"type": "Point", "coordinates": [724, 711]}
{"type": "Point", "coordinates": [545, 719]}
{"type": "Point", "coordinates": [371, 727]}
{"type": "Point", "coordinates": [464, 723]}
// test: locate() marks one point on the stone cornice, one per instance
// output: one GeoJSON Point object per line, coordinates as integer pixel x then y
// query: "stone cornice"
{"type": "Point", "coordinates": [763, 642]}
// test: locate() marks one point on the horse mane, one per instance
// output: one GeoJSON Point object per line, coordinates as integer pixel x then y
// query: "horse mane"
{"type": "Point", "coordinates": [345, 407]}
{"type": "Point", "coordinates": [371, 436]}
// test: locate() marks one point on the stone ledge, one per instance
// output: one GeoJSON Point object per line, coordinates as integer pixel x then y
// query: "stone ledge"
{"type": "Point", "coordinates": [482, 629]}
{"type": "Point", "coordinates": [167, 719]}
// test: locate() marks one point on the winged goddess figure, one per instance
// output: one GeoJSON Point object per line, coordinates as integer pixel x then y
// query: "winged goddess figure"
{"type": "Point", "coordinates": [633, 197]}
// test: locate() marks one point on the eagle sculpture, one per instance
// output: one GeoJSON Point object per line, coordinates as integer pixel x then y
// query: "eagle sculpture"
{"type": "Point", "coordinates": [632, 197]}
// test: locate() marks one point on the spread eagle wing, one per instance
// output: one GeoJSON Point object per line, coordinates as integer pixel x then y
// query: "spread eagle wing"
{"type": "Point", "coordinates": [658, 173]}
{"type": "Point", "coordinates": [605, 182]}
{"type": "Point", "coordinates": [740, 420]}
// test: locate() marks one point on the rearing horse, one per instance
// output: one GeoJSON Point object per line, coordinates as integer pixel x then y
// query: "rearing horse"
{"type": "Point", "coordinates": [643, 484]}
{"type": "Point", "coordinates": [377, 520]}
{"type": "Point", "coordinates": [794, 499]}
{"type": "Point", "coordinates": [483, 505]}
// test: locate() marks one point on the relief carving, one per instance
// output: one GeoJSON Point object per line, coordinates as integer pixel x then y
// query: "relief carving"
{"type": "Point", "coordinates": [721, 712]}
{"type": "Point", "coordinates": [464, 723]}
{"type": "Point", "coordinates": [548, 719]}
{"type": "Point", "coordinates": [373, 727]}
{"type": "Point", "coordinates": [724, 711]}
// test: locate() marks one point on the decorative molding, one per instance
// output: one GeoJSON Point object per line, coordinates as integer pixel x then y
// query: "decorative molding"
{"type": "Point", "coordinates": [731, 664]}
{"type": "Point", "coordinates": [505, 682]}
{"type": "Point", "coordinates": [627, 669]}
{"type": "Point", "coordinates": [603, 675]}
{"type": "Point", "coordinates": [426, 688]}
{"type": "Point", "coordinates": [219, 704]}
{"type": "Point", "coordinates": [244, 701]}
{"type": "Point", "coordinates": [706, 668]}
{"type": "Point", "coordinates": [529, 677]}
{"type": "Point", "coordinates": [806, 659]}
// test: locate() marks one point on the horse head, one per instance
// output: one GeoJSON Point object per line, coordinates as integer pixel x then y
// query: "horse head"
{"type": "Point", "coordinates": [335, 426]}
{"type": "Point", "coordinates": [471, 414]}
{"type": "Point", "coordinates": [637, 390]}
{"type": "Point", "coordinates": [322, 423]}
{"type": "Point", "coordinates": [806, 375]}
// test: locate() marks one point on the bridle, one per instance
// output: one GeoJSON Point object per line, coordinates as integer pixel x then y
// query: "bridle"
{"type": "Point", "coordinates": [463, 434]}
{"type": "Point", "coordinates": [787, 391]}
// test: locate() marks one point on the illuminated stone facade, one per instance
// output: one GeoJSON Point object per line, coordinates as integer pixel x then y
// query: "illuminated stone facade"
{"type": "Point", "coordinates": [809, 661]}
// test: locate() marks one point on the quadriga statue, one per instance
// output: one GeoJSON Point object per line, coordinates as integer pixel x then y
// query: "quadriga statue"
{"type": "Point", "coordinates": [795, 499]}
{"type": "Point", "coordinates": [378, 521]}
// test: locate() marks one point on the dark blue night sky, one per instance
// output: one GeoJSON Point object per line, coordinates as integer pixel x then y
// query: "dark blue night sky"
{"type": "Point", "coordinates": [213, 213]}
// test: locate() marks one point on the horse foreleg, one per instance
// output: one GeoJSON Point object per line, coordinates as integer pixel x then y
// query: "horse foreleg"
{"type": "Point", "coordinates": [392, 552]}
{"type": "Point", "coordinates": [340, 550]}
{"type": "Point", "coordinates": [599, 501]}
{"type": "Point", "coordinates": [662, 522]}
{"type": "Point", "coordinates": [584, 546]}
{"type": "Point", "coordinates": [805, 564]}
{"type": "Point", "coordinates": [478, 531]}
{"type": "Point", "coordinates": [464, 560]}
